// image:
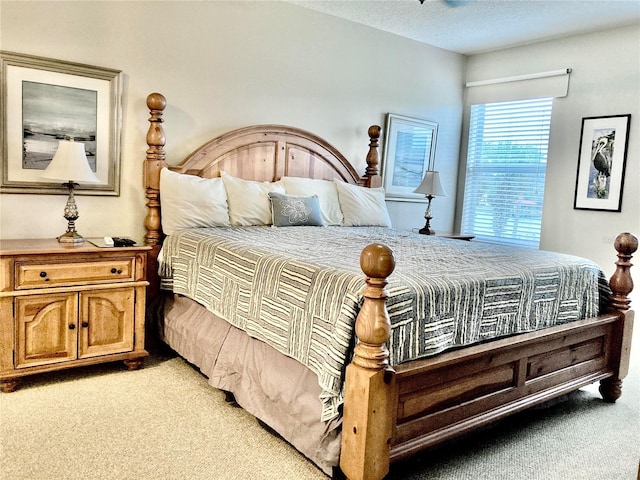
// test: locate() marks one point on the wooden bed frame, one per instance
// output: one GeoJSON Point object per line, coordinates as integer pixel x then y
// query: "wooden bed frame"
{"type": "Point", "coordinates": [392, 412]}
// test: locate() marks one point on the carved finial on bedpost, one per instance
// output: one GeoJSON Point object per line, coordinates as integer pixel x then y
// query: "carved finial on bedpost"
{"type": "Point", "coordinates": [372, 173]}
{"type": "Point", "coordinates": [155, 160]}
{"type": "Point", "coordinates": [370, 390]}
{"type": "Point", "coordinates": [372, 325]}
{"type": "Point", "coordinates": [621, 286]}
{"type": "Point", "coordinates": [621, 282]}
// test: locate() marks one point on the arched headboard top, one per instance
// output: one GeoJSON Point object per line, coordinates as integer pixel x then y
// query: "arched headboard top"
{"type": "Point", "coordinates": [269, 152]}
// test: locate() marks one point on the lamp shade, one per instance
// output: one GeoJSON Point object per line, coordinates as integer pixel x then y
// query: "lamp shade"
{"type": "Point", "coordinates": [431, 185]}
{"type": "Point", "coordinates": [70, 164]}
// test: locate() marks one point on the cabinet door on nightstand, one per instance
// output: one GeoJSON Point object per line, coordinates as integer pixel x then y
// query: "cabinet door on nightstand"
{"type": "Point", "coordinates": [107, 322]}
{"type": "Point", "coordinates": [46, 329]}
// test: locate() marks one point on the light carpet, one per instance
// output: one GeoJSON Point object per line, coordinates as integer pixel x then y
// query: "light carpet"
{"type": "Point", "coordinates": [166, 422]}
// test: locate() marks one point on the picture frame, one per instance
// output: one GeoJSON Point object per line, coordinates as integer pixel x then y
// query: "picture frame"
{"type": "Point", "coordinates": [409, 151]}
{"type": "Point", "coordinates": [44, 101]}
{"type": "Point", "coordinates": [602, 157]}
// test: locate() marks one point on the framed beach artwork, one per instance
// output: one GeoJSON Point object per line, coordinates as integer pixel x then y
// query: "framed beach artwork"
{"type": "Point", "coordinates": [45, 101]}
{"type": "Point", "coordinates": [409, 150]}
{"type": "Point", "coordinates": [601, 162]}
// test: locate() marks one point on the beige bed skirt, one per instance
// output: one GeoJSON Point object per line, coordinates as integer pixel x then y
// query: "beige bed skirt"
{"type": "Point", "coordinates": [274, 388]}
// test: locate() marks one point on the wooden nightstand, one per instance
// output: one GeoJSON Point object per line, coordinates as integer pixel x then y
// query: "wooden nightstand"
{"type": "Point", "coordinates": [66, 306]}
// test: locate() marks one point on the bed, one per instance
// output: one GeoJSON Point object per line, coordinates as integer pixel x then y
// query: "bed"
{"type": "Point", "coordinates": [364, 371]}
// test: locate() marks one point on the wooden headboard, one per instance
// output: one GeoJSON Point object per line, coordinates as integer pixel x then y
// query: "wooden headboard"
{"type": "Point", "coordinates": [261, 152]}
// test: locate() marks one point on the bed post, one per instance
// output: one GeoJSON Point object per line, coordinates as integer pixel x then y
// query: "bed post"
{"type": "Point", "coordinates": [370, 382]}
{"type": "Point", "coordinates": [621, 285]}
{"type": "Point", "coordinates": [372, 178]}
{"type": "Point", "coordinates": [154, 162]}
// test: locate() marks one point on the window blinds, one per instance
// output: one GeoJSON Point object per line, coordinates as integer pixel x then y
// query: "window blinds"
{"type": "Point", "coordinates": [505, 173]}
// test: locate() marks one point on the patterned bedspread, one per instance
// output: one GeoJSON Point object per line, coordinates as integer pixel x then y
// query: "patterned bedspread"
{"type": "Point", "coordinates": [298, 290]}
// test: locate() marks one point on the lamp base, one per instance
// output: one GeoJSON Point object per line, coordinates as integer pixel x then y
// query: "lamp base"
{"type": "Point", "coordinates": [426, 231]}
{"type": "Point", "coordinates": [71, 215]}
{"type": "Point", "coordinates": [73, 238]}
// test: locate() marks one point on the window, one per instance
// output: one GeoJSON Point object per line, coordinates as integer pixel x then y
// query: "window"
{"type": "Point", "coordinates": [505, 173]}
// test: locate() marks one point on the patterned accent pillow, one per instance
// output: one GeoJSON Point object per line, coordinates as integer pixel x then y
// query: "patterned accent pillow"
{"type": "Point", "coordinates": [292, 211]}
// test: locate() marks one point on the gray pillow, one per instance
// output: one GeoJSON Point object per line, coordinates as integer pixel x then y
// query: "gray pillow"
{"type": "Point", "coordinates": [292, 211]}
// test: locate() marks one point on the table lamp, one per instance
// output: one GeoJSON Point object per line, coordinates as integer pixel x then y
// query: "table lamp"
{"type": "Point", "coordinates": [431, 187]}
{"type": "Point", "coordinates": [70, 165]}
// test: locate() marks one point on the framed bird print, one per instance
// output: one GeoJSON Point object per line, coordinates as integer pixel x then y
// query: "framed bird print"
{"type": "Point", "coordinates": [601, 162]}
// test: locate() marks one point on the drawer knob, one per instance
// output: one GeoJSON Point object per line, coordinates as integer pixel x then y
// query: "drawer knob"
{"type": "Point", "coordinates": [113, 270]}
{"type": "Point", "coordinates": [72, 326]}
{"type": "Point", "coordinates": [43, 274]}
{"type": "Point", "coordinates": [85, 324]}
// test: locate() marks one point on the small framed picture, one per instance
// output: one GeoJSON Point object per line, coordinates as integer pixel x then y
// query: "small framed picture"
{"type": "Point", "coordinates": [409, 151]}
{"type": "Point", "coordinates": [44, 101]}
{"type": "Point", "coordinates": [601, 162]}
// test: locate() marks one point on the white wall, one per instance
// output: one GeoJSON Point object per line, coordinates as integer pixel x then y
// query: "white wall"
{"type": "Point", "coordinates": [605, 81]}
{"type": "Point", "coordinates": [224, 65]}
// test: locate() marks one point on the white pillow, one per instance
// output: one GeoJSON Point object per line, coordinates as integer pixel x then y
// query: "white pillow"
{"type": "Point", "coordinates": [362, 206]}
{"type": "Point", "coordinates": [249, 201]}
{"type": "Point", "coordinates": [324, 189]}
{"type": "Point", "coordinates": [188, 201]}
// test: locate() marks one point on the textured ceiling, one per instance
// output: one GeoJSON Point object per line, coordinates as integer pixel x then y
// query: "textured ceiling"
{"type": "Point", "coordinates": [473, 26]}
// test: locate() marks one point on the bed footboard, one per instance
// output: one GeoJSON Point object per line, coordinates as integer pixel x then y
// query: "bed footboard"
{"type": "Point", "coordinates": [455, 393]}
{"type": "Point", "coordinates": [390, 415]}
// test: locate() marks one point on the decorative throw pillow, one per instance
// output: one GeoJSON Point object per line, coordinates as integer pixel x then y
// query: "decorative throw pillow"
{"type": "Point", "coordinates": [248, 200]}
{"type": "Point", "coordinates": [362, 206]}
{"type": "Point", "coordinates": [188, 201]}
{"type": "Point", "coordinates": [324, 189]}
{"type": "Point", "coordinates": [293, 211]}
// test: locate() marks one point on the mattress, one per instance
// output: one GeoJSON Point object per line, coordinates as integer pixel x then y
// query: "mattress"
{"type": "Point", "coordinates": [298, 290]}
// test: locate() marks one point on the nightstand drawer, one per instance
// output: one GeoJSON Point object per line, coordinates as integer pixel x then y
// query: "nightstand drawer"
{"type": "Point", "coordinates": [59, 274]}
